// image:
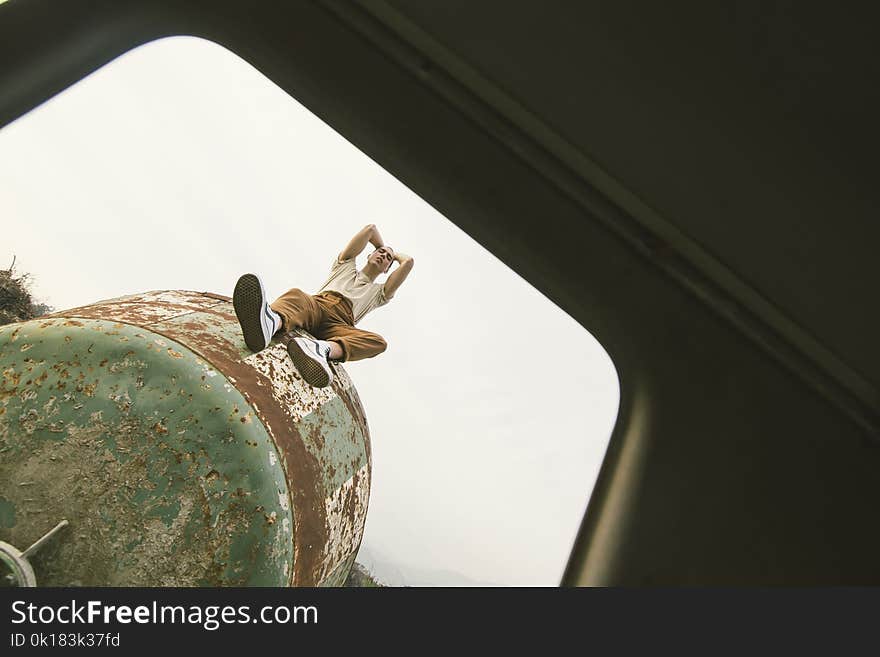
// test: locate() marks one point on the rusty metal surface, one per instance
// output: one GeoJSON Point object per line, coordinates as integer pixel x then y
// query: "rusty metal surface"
{"type": "Point", "coordinates": [143, 309]}
{"type": "Point", "coordinates": [319, 437]}
{"type": "Point", "coordinates": [162, 471]}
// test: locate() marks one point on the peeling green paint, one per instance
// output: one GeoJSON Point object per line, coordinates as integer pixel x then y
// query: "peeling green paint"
{"type": "Point", "coordinates": [7, 513]}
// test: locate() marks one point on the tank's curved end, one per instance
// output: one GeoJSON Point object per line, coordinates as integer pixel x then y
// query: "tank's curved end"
{"type": "Point", "coordinates": [178, 457]}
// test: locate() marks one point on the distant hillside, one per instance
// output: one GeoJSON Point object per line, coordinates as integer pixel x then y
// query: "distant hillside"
{"type": "Point", "coordinates": [360, 577]}
{"type": "Point", "coordinates": [393, 572]}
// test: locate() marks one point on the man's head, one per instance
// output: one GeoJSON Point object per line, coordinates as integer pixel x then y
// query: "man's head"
{"type": "Point", "coordinates": [382, 258]}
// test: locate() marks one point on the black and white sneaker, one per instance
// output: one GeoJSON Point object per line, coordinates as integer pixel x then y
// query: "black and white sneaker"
{"type": "Point", "coordinates": [310, 359]}
{"type": "Point", "coordinates": [258, 321]}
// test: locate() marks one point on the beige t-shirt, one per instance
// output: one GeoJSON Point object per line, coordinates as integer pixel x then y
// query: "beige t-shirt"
{"type": "Point", "coordinates": [357, 288]}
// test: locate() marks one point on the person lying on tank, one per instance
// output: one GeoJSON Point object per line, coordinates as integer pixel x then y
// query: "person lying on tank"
{"type": "Point", "coordinates": [331, 314]}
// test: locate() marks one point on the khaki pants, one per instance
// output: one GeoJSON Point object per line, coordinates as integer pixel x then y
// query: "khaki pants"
{"type": "Point", "coordinates": [328, 316]}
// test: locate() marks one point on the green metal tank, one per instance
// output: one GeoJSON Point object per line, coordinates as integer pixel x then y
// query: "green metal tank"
{"type": "Point", "coordinates": [175, 455]}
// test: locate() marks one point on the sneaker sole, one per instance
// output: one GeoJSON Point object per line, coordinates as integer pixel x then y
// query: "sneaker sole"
{"type": "Point", "coordinates": [311, 371]}
{"type": "Point", "coordinates": [248, 299]}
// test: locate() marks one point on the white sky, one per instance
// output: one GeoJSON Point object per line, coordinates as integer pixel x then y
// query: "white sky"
{"type": "Point", "coordinates": [179, 166]}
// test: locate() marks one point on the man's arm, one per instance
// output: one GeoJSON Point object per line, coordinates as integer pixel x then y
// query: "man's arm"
{"type": "Point", "coordinates": [358, 243]}
{"type": "Point", "coordinates": [398, 276]}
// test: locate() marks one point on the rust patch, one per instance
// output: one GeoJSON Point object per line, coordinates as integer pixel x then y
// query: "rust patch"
{"type": "Point", "coordinates": [349, 507]}
{"type": "Point", "coordinates": [142, 309]}
{"type": "Point", "coordinates": [219, 297]}
{"type": "Point", "coordinates": [317, 437]}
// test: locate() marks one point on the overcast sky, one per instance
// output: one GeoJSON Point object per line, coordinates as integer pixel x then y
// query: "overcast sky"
{"type": "Point", "coordinates": [179, 166]}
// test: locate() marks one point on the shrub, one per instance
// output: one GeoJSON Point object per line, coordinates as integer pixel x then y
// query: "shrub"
{"type": "Point", "coordinates": [16, 304]}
